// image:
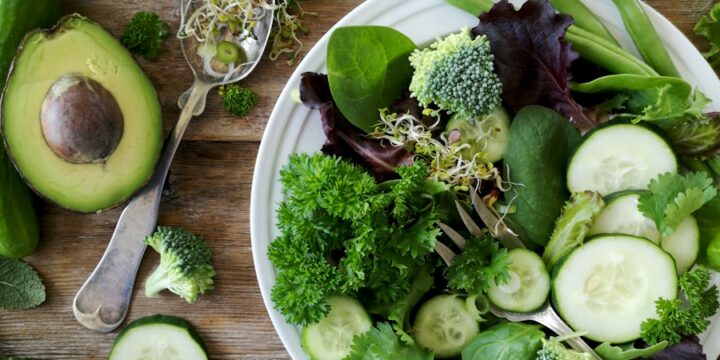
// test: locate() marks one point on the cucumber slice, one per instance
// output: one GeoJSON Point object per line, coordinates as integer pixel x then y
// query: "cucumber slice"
{"type": "Point", "coordinates": [619, 157]}
{"type": "Point", "coordinates": [158, 337]}
{"type": "Point", "coordinates": [444, 324]}
{"type": "Point", "coordinates": [331, 338]}
{"type": "Point", "coordinates": [621, 216]}
{"type": "Point", "coordinates": [487, 136]}
{"type": "Point", "coordinates": [609, 286]}
{"type": "Point", "coordinates": [529, 283]}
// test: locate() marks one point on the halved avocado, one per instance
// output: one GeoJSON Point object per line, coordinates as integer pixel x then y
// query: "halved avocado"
{"type": "Point", "coordinates": [80, 119]}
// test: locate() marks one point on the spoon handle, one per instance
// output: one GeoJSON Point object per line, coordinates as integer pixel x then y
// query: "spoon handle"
{"type": "Point", "coordinates": [102, 302]}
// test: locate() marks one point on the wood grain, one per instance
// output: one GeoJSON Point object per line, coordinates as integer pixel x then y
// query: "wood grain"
{"type": "Point", "coordinates": [209, 194]}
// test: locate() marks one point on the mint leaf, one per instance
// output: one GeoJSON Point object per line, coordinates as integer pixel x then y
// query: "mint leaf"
{"type": "Point", "coordinates": [672, 197]}
{"type": "Point", "coordinates": [20, 285]}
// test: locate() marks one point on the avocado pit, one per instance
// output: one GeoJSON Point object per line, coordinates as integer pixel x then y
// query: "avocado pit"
{"type": "Point", "coordinates": [81, 120]}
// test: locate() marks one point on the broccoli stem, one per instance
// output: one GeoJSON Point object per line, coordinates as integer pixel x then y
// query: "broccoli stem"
{"type": "Point", "coordinates": [157, 281]}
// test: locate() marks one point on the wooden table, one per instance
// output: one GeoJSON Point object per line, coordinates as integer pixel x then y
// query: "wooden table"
{"type": "Point", "coordinates": [209, 194]}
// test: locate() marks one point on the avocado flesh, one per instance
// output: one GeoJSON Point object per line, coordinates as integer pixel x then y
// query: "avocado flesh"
{"type": "Point", "coordinates": [79, 46]}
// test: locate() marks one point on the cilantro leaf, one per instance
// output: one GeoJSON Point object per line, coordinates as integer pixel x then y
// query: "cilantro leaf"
{"type": "Point", "coordinates": [20, 285]}
{"type": "Point", "coordinates": [681, 317]}
{"type": "Point", "coordinates": [673, 197]}
{"type": "Point", "coordinates": [481, 265]}
{"type": "Point", "coordinates": [381, 343]}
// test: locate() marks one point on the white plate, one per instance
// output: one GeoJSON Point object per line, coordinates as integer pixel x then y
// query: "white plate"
{"type": "Point", "coordinates": [294, 128]}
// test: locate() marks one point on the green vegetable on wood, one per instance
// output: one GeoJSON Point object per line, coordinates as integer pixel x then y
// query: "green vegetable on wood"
{"type": "Point", "coordinates": [185, 264]}
{"type": "Point", "coordinates": [238, 100]}
{"type": "Point", "coordinates": [709, 27]}
{"type": "Point", "coordinates": [20, 285]}
{"type": "Point", "coordinates": [144, 34]}
{"type": "Point", "coordinates": [646, 39]}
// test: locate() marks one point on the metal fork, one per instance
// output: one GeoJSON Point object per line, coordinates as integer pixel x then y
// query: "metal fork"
{"type": "Point", "coordinates": [546, 315]}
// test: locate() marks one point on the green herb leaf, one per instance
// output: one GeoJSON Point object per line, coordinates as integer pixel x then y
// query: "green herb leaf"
{"type": "Point", "coordinates": [672, 197]}
{"type": "Point", "coordinates": [506, 341]}
{"type": "Point", "coordinates": [677, 318]}
{"type": "Point", "coordinates": [368, 68]}
{"type": "Point", "coordinates": [709, 27]}
{"type": "Point", "coordinates": [480, 266]}
{"type": "Point", "coordinates": [382, 343]}
{"type": "Point", "coordinates": [20, 285]}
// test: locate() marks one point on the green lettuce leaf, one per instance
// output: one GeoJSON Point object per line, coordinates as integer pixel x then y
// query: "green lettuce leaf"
{"type": "Point", "coordinates": [709, 27]}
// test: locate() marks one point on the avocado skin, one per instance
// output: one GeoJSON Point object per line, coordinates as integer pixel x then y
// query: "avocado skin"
{"type": "Point", "coordinates": [18, 222]}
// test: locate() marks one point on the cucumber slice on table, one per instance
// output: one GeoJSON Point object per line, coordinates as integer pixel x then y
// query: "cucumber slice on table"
{"type": "Point", "coordinates": [528, 286]}
{"type": "Point", "coordinates": [619, 157]}
{"type": "Point", "coordinates": [609, 286]}
{"type": "Point", "coordinates": [622, 216]}
{"type": "Point", "coordinates": [331, 338]}
{"type": "Point", "coordinates": [158, 337]}
{"type": "Point", "coordinates": [444, 324]}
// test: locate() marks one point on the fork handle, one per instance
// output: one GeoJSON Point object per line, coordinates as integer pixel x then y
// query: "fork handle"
{"type": "Point", "coordinates": [103, 301]}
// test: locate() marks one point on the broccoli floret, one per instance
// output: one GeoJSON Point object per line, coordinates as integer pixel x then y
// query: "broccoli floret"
{"type": "Point", "coordinates": [185, 264]}
{"type": "Point", "coordinates": [237, 99]}
{"type": "Point", "coordinates": [553, 349]}
{"type": "Point", "coordinates": [144, 34]}
{"type": "Point", "coordinates": [457, 75]}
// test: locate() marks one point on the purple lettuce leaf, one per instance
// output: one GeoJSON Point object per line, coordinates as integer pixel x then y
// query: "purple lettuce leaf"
{"type": "Point", "coordinates": [688, 349]}
{"type": "Point", "coordinates": [346, 140]}
{"type": "Point", "coordinates": [532, 58]}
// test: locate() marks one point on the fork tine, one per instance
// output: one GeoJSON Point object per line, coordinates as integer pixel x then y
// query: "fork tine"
{"type": "Point", "coordinates": [453, 235]}
{"type": "Point", "coordinates": [467, 220]}
{"type": "Point", "coordinates": [498, 228]}
{"type": "Point", "coordinates": [445, 253]}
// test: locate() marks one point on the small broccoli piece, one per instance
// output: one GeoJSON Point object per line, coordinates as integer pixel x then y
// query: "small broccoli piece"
{"type": "Point", "coordinates": [185, 264]}
{"type": "Point", "coordinates": [457, 75]}
{"type": "Point", "coordinates": [238, 100]}
{"type": "Point", "coordinates": [144, 34]}
{"type": "Point", "coordinates": [553, 349]}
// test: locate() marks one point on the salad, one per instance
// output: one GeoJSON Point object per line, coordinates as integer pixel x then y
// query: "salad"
{"type": "Point", "coordinates": [593, 171]}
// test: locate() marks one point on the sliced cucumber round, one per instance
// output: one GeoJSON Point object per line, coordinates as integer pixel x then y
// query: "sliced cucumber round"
{"type": "Point", "coordinates": [486, 136]}
{"type": "Point", "coordinates": [619, 157]}
{"type": "Point", "coordinates": [158, 337]}
{"type": "Point", "coordinates": [622, 216]}
{"type": "Point", "coordinates": [444, 324]}
{"type": "Point", "coordinates": [331, 338]}
{"type": "Point", "coordinates": [609, 286]}
{"type": "Point", "coordinates": [528, 286]}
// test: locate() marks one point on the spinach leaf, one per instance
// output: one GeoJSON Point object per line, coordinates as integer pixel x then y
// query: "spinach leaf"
{"type": "Point", "coordinates": [707, 218]}
{"type": "Point", "coordinates": [507, 341]}
{"type": "Point", "coordinates": [539, 146]}
{"type": "Point", "coordinates": [368, 68]}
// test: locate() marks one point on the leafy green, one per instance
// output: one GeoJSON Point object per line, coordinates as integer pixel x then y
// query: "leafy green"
{"type": "Point", "coordinates": [707, 218]}
{"type": "Point", "coordinates": [20, 285]}
{"type": "Point", "coordinates": [340, 232]}
{"type": "Point", "coordinates": [399, 311]}
{"type": "Point", "coordinates": [368, 68]}
{"type": "Point", "coordinates": [475, 7]}
{"type": "Point", "coordinates": [681, 317]}
{"type": "Point", "coordinates": [480, 266]}
{"type": "Point", "coordinates": [381, 343]}
{"type": "Point", "coordinates": [609, 351]}
{"type": "Point", "coordinates": [573, 224]}
{"type": "Point", "coordinates": [539, 145]}
{"type": "Point", "coordinates": [709, 27]}
{"type": "Point", "coordinates": [506, 341]}
{"type": "Point", "coordinates": [144, 34]}
{"type": "Point", "coordinates": [672, 197]}
{"type": "Point", "coordinates": [238, 100]}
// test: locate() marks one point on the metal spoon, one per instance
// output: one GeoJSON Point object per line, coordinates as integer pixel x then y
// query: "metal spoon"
{"type": "Point", "coordinates": [102, 302]}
